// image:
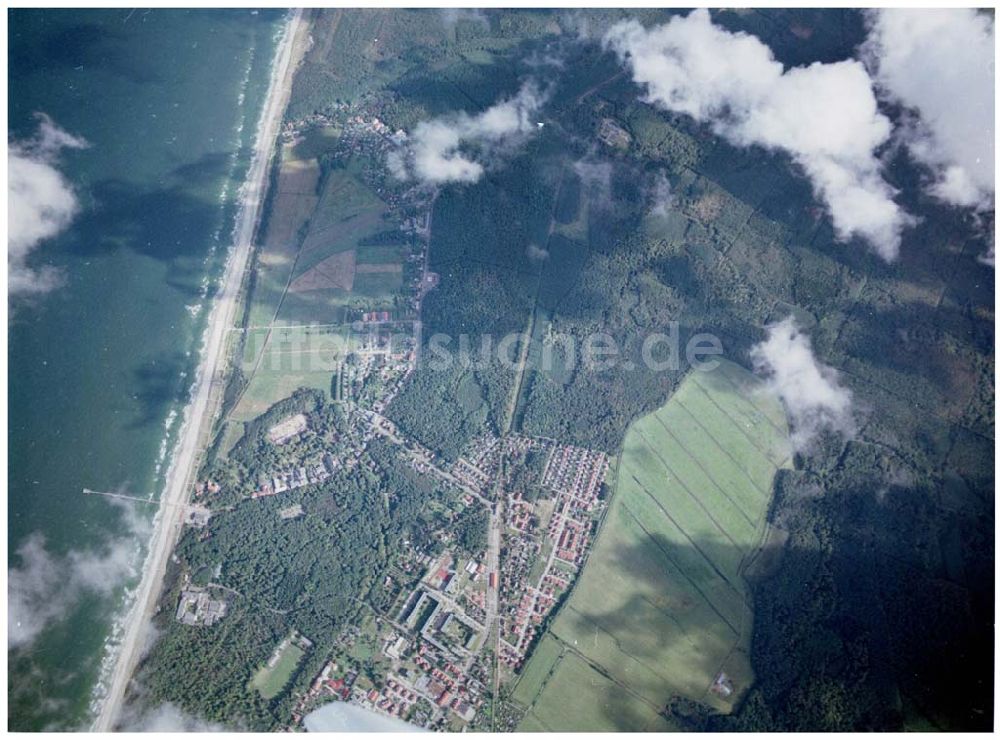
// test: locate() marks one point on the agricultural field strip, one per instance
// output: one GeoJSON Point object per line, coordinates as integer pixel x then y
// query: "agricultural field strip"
{"type": "Point", "coordinates": [696, 529]}
{"type": "Point", "coordinates": [745, 398]}
{"type": "Point", "coordinates": [688, 567]}
{"type": "Point", "coordinates": [267, 339]}
{"type": "Point", "coordinates": [544, 679]}
{"type": "Point", "coordinates": [694, 458]}
{"type": "Point", "coordinates": [617, 643]}
{"type": "Point", "coordinates": [319, 231]}
{"type": "Point", "coordinates": [597, 668]}
{"type": "Point", "coordinates": [322, 271]}
{"type": "Point", "coordinates": [693, 565]}
{"type": "Point", "coordinates": [735, 423]}
{"type": "Point", "coordinates": [329, 189]}
{"type": "Point", "coordinates": [602, 672]}
{"type": "Point", "coordinates": [713, 423]}
{"type": "Point", "coordinates": [725, 451]}
{"type": "Point", "coordinates": [689, 514]}
{"type": "Point", "coordinates": [738, 395]}
{"type": "Point", "coordinates": [691, 494]}
{"type": "Point", "coordinates": [681, 570]}
{"type": "Point", "coordinates": [291, 274]}
{"type": "Point", "coordinates": [331, 345]}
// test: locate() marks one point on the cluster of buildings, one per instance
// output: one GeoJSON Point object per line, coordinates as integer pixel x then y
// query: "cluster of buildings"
{"type": "Point", "coordinates": [427, 653]}
{"type": "Point", "coordinates": [468, 474]}
{"type": "Point", "coordinates": [576, 471]}
{"type": "Point", "coordinates": [482, 458]}
{"type": "Point", "coordinates": [427, 661]}
{"type": "Point", "coordinates": [360, 133]}
{"type": "Point", "coordinates": [547, 543]}
{"type": "Point", "coordinates": [209, 486]}
{"type": "Point", "coordinates": [434, 612]}
{"type": "Point", "coordinates": [612, 134]}
{"type": "Point", "coordinates": [275, 483]}
{"type": "Point", "coordinates": [376, 375]}
{"type": "Point", "coordinates": [449, 691]}
{"type": "Point", "coordinates": [483, 455]}
{"type": "Point", "coordinates": [197, 608]}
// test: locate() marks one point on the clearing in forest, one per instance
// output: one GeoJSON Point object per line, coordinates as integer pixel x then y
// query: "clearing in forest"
{"type": "Point", "coordinates": [661, 608]}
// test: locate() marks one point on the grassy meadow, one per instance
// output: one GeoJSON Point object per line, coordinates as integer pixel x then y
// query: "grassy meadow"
{"type": "Point", "coordinates": [661, 608]}
{"type": "Point", "coordinates": [269, 681]}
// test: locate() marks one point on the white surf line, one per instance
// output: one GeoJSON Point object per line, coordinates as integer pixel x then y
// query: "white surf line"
{"type": "Point", "coordinates": [198, 414]}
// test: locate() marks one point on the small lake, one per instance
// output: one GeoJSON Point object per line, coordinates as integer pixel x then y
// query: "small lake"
{"type": "Point", "coordinates": [339, 716]}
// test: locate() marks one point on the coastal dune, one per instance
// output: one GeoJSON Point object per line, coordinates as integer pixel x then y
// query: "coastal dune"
{"type": "Point", "coordinates": [203, 404]}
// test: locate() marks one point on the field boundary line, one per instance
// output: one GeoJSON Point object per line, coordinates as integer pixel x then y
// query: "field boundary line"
{"type": "Point", "coordinates": [748, 399]}
{"type": "Point", "coordinates": [602, 671]}
{"type": "Point", "coordinates": [724, 451]}
{"type": "Point", "coordinates": [681, 570]}
{"type": "Point", "coordinates": [688, 491]}
{"type": "Point", "coordinates": [620, 649]}
{"type": "Point", "coordinates": [701, 467]}
{"type": "Point", "coordinates": [684, 532]}
{"type": "Point", "coordinates": [735, 423]}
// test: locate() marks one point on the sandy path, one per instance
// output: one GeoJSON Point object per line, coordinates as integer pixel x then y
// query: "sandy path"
{"type": "Point", "coordinates": [204, 404]}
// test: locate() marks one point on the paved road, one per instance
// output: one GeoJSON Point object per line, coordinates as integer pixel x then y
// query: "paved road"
{"type": "Point", "coordinates": [493, 595]}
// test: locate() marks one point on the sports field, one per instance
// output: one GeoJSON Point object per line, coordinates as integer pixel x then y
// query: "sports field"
{"type": "Point", "coordinates": [270, 680]}
{"type": "Point", "coordinates": [661, 608]}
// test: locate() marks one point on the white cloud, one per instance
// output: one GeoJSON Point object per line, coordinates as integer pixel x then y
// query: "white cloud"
{"type": "Point", "coordinates": [595, 181]}
{"type": "Point", "coordinates": [662, 197]}
{"type": "Point", "coordinates": [40, 203]}
{"type": "Point", "coordinates": [537, 253]}
{"type": "Point", "coordinates": [811, 391]}
{"type": "Point", "coordinates": [44, 587]}
{"type": "Point", "coordinates": [451, 16]}
{"type": "Point", "coordinates": [453, 148]}
{"type": "Point", "coordinates": [167, 718]}
{"type": "Point", "coordinates": [824, 116]}
{"type": "Point", "coordinates": [939, 63]}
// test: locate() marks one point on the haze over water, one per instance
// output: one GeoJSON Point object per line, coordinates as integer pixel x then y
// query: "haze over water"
{"type": "Point", "coordinates": [100, 366]}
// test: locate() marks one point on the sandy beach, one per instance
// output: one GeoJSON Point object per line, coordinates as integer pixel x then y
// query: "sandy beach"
{"type": "Point", "coordinates": [203, 406]}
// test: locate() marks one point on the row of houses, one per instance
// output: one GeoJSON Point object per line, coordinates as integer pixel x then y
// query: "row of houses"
{"type": "Point", "coordinates": [577, 471]}
{"type": "Point", "coordinates": [275, 483]}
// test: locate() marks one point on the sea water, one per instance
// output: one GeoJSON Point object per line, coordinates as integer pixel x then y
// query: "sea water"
{"type": "Point", "coordinates": [100, 366]}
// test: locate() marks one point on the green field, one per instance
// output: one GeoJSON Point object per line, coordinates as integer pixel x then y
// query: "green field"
{"type": "Point", "coordinates": [545, 657]}
{"type": "Point", "coordinates": [270, 681]}
{"type": "Point", "coordinates": [282, 360]}
{"type": "Point", "coordinates": [661, 606]}
{"type": "Point", "coordinates": [382, 254]}
{"type": "Point", "coordinates": [578, 696]}
{"type": "Point", "coordinates": [347, 212]}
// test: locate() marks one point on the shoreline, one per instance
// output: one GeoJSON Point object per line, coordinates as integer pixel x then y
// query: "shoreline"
{"type": "Point", "coordinates": [203, 404]}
